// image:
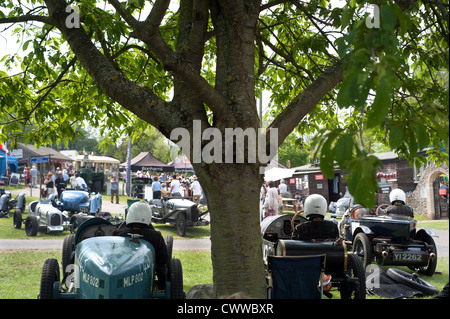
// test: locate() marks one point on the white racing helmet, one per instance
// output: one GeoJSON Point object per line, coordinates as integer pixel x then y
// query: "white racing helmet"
{"type": "Point", "coordinates": [397, 195]}
{"type": "Point", "coordinates": [315, 204]}
{"type": "Point", "coordinates": [139, 213]}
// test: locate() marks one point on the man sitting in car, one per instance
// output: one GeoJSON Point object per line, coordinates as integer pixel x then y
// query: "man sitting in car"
{"type": "Point", "coordinates": [398, 206]}
{"type": "Point", "coordinates": [138, 221]}
{"type": "Point", "coordinates": [315, 208]}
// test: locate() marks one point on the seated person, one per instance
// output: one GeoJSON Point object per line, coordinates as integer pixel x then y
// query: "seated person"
{"type": "Point", "coordinates": [398, 206]}
{"type": "Point", "coordinates": [315, 208]}
{"type": "Point", "coordinates": [138, 222]}
{"type": "Point", "coordinates": [298, 201]}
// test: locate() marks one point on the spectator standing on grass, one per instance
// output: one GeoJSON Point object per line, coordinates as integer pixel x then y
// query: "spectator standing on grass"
{"type": "Point", "coordinates": [114, 188]}
{"type": "Point", "coordinates": [60, 184]}
{"type": "Point", "coordinates": [156, 188]}
{"type": "Point", "coordinates": [49, 184]}
{"type": "Point", "coordinates": [27, 176]}
{"type": "Point", "coordinates": [196, 190]}
{"type": "Point", "coordinates": [175, 186]}
{"type": "Point", "coordinates": [34, 174]}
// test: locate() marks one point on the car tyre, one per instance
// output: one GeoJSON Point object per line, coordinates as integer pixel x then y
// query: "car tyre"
{"type": "Point", "coordinates": [17, 218]}
{"type": "Point", "coordinates": [176, 279]}
{"type": "Point", "coordinates": [75, 221]}
{"type": "Point", "coordinates": [169, 245]}
{"type": "Point", "coordinates": [50, 275]}
{"type": "Point", "coordinates": [180, 222]}
{"type": "Point", "coordinates": [363, 249]}
{"type": "Point", "coordinates": [67, 250]}
{"type": "Point", "coordinates": [355, 269]}
{"type": "Point", "coordinates": [412, 280]}
{"type": "Point", "coordinates": [431, 268]}
{"type": "Point", "coordinates": [31, 226]}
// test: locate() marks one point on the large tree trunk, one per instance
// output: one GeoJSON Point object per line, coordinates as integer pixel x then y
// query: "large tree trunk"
{"type": "Point", "coordinates": [233, 200]}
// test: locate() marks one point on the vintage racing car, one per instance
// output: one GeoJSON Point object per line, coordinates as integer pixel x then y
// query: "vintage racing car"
{"type": "Point", "coordinates": [51, 215]}
{"type": "Point", "coordinates": [108, 267]}
{"type": "Point", "coordinates": [178, 211]}
{"type": "Point", "coordinates": [80, 205]}
{"type": "Point", "coordinates": [8, 203]}
{"type": "Point", "coordinates": [346, 271]}
{"type": "Point", "coordinates": [43, 216]}
{"type": "Point", "coordinates": [389, 240]}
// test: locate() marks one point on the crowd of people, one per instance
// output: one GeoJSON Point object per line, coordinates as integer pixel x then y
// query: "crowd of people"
{"type": "Point", "coordinates": [177, 185]}
{"type": "Point", "coordinates": [54, 182]}
{"type": "Point", "coordinates": [271, 198]}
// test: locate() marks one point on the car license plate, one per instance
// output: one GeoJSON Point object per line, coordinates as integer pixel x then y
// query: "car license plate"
{"type": "Point", "coordinates": [407, 257]}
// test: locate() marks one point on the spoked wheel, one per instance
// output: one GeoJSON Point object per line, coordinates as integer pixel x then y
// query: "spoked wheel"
{"type": "Point", "coordinates": [356, 288]}
{"type": "Point", "coordinates": [176, 279]}
{"type": "Point", "coordinates": [50, 275]}
{"type": "Point", "coordinates": [169, 245]}
{"type": "Point", "coordinates": [412, 280]}
{"type": "Point", "coordinates": [363, 249]}
{"type": "Point", "coordinates": [180, 222]}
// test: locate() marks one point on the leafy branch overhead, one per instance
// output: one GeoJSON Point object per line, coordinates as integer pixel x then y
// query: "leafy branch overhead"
{"type": "Point", "coordinates": [332, 72]}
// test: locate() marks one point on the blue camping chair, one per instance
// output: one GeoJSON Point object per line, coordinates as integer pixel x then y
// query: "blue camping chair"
{"type": "Point", "coordinates": [298, 277]}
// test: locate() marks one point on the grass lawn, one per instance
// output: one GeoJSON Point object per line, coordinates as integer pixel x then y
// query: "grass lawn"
{"type": "Point", "coordinates": [22, 268]}
{"type": "Point", "coordinates": [22, 275]}
{"type": "Point", "coordinates": [22, 279]}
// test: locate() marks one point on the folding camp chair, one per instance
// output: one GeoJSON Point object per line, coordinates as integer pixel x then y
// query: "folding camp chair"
{"type": "Point", "coordinates": [298, 277]}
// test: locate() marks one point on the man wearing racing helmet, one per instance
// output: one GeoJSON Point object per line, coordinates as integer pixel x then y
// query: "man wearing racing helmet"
{"type": "Point", "coordinates": [138, 221]}
{"type": "Point", "coordinates": [315, 208]}
{"type": "Point", "coordinates": [398, 206]}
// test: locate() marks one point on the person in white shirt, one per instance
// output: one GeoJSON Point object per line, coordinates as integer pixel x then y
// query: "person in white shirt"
{"type": "Point", "coordinates": [80, 182]}
{"type": "Point", "coordinates": [196, 190]}
{"type": "Point", "coordinates": [271, 204]}
{"type": "Point", "coordinates": [175, 186]}
{"type": "Point", "coordinates": [282, 188]}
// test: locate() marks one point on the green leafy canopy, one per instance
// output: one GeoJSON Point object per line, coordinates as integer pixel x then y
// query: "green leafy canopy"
{"type": "Point", "coordinates": [392, 78]}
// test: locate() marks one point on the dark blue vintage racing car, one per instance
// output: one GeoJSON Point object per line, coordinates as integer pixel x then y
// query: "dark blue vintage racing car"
{"type": "Point", "coordinates": [389, 239]}
{"type": "Point", "coordinates": [343, 269]}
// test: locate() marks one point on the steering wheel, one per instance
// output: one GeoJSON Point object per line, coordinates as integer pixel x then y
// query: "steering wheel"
{"type": "Point", "coordinates": [293, 219]}
{"type": "Point", "coordinates": [380, 207]}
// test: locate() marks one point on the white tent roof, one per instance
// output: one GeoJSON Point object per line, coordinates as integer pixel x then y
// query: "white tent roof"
{"type": "Point", "coordinates": [98, 159]}
{"type": "Point", "coordinates": [277, 173]}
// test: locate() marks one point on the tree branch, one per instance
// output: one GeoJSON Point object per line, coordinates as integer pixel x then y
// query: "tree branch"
{"type": "Point", "coordinates": [25, 18]}
{"type": "Point", "coordinates": [303, 103]}
{"type": "Point", "coordinates": [142, 101]}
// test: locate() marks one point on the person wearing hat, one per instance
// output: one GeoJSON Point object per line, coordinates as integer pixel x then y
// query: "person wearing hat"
{"type": "Point", "coordinates": [316, 227]}
{"type": "Point", "coordinates": [398, 206]}
{"type": "Point", "coordinates": [138, 221]}
{"type": "Point", "coordinates": [196, 190]}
